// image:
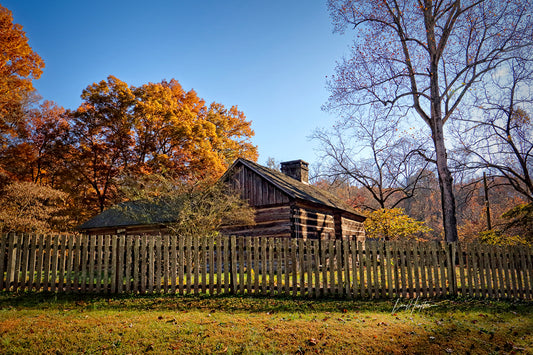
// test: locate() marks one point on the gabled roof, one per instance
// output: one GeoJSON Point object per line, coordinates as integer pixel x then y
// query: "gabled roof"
{"type": "Point", "coordinates": [294, 188]}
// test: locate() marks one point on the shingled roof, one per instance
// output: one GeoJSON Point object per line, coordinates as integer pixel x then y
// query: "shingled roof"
{"type": "Point", "coordinates": [130, 213]}
{"type": "Point", "coordinates": [294, 188]}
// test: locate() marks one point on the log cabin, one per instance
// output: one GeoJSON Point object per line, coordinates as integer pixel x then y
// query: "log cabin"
{"type": "Point", "coordinates": [285, 204]}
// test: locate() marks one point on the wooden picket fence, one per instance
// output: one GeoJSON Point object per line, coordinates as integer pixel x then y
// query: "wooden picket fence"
{"type": "Point", "coordinates": [263, 266]}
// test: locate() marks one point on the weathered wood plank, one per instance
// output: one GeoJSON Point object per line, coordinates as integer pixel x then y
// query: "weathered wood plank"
{"type": "Point", "coordinates": [263, 266]}
{"type": "Point", "coordinates": [17, 250]}
{"type": "Point", "coordinates": [25, 263]}
{"type": "Point", "coordinates": [128, 262]}
{"type": "Point", "coordinates": [181, 265]}
{"type": "Point", "coordinates": [382, 260]}
{"type": "Point", "coordinates": [355, 269]}
{"type": "Point", "coordinates": [460, 254]}
{"type": "Point", "coordinates": [294, 263]}
{"type": "Point", "coordinates": [3, 260]}
{"type": "Point", "coordinates": [227, 265]}
{"type": "Point", "coordinates": [136, 284]}
{"type": "Point", "coordinates": [271, 268]}
{"type": "Point", "coordinates": [84, 255]}
{"type": "Point", "coordinates": [339, 264]}
{"type": "Point", "coordinates": [375, 274]}
{"type": "Point", "coordinates": [361, 258]}
{"type": "Point", "coordinates": [301, 266]}
{"type": "Point", "coordinates": [323, 264]}
{"type": "Point", "coordinates": [256, 260]}
{"type": "Point", "coordinates": [279, 269]}
{"type": "Point", "coordinates": [286, 261]}
{"type": "Point", "coordinates": [332, 278]}
{"type": "Point", "coordinates": [527, 269]}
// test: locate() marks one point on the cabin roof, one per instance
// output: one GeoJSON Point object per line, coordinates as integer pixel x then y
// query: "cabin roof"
{"type": "Point", "coordinates": [125, 214]}
{"type": "Point", "coordinates": [294, 188]}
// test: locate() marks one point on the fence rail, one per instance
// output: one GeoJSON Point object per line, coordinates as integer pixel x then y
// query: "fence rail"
{"type": "Point", "coordinates": [265, 266]}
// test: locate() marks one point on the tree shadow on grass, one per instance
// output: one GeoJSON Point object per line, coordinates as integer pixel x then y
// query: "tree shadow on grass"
{"type": "Point", "coordinates": [253, 304]}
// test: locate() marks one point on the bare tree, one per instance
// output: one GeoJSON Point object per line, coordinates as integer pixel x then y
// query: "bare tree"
{"type": "Point", "coordinates": [498, 136]}
{"type": "Point", "coordinates": [424, 57]}
{"type": "Point", "coordinates": [369, 152]}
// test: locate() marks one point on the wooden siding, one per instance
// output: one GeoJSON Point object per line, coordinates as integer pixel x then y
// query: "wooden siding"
{"type": "Point", "coordinates": [269, 222]}
{"type": "Point", "coordinates": [313, 224]}
{"type": "Point", "coordinates": [352, 229]}
{"type": "Point", "coordinates": [257, 191]}
{"type": "Point", "coordinates": [310, 224]}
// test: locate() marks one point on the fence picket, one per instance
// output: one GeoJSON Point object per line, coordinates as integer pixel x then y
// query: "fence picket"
{"type": "Point", "coordinates": [75, 262]}
{"type": "Point", "coordinates": [218, 256]}
{"type": "Point", "coordinates": [346, 265]}
{"type": "Point", "coordinates": [25, 262]}
{"type": "Point", "coordinates": [32, 261]}
{"type": "Point", "coordinates": [278, 250]}
{"type": "Point", "coordinates": [254, 243]}
{"type": "Point", "coordinates": [323, 265]}
{"type": "Point", "coordinates": [527, 271]}
{"type": "Point", "coordinates": [513, 270]}
{"type": "Point", "coordinates": [338, 267]}
{"type": "Point", "coordinates": [227, 265]}
{"type": "Point", "coordinates": [375, 272]}
{"type": "Point", "coordinates": [3, 260]}
{"type": "Point", "coordinates": [286, 259]}
{"type": "Point", "coordinates": [181, 264]}
{"type": "Point", "coordinates": [491, 284]}
{"type": "Point", "coordinates": [353, 253]}
{"type": "Point", "coordinates": [460, 255]}
{"type": "Point", "coordinates": [519, 267]}
{"type": "Point", "coordinates": [17, 250]}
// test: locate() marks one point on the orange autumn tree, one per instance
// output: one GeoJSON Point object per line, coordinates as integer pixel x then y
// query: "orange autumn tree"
{"type": "Point", "coordinates": [179, 134]}
{"type": "Point", "coordinates": [19, 65]}
{"type": "Point", "coordinates": [124, 131]}
{"type": "Point", "coordinates": [36, 154]}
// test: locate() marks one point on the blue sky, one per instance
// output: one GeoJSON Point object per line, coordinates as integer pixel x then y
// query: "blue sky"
{"type": "Point", "coordinates": [270, 58]}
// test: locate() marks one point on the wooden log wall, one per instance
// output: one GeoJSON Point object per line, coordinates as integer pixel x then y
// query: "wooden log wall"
{"type": "Point", "coordinates": [269, 222]}
{"type": "Point", "coordinates": [310, 224]}
{"type": "Point", "coordinates": [352, 229]}
{"type": "Point", "coordinates": [263, 266]}
{"type": "Point", "coordinates": [257, 191]}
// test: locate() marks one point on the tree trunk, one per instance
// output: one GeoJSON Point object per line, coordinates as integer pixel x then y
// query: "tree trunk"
{"type": "Point", "coordinates": [445, 184]}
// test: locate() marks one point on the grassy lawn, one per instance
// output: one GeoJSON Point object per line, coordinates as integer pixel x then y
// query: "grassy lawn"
{"type": "Point", "coordinates": [38, 323]}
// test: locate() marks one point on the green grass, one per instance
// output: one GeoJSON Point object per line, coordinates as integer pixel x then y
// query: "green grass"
{"type": "Point", "coordinates": [46, 323]}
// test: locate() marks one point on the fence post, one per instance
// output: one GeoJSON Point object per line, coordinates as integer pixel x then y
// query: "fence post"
{"type": "Point", "coordinates": [3, 261]}
{"type": "Point", "coordinates": [232, 267]}
{"type": "Point", "coordinates": [452, 277]}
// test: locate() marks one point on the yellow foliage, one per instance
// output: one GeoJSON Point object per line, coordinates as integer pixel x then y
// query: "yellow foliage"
{"type": "Point", "coordinates": [494, 237]}
{"type": "Point", "coordinates": [393, 224]}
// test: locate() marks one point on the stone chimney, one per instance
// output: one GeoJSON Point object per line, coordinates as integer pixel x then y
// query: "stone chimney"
{"type": "Point", "coordinates": [296, 169]}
